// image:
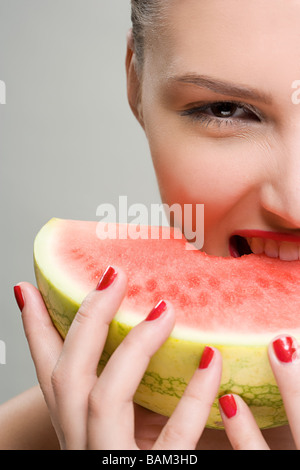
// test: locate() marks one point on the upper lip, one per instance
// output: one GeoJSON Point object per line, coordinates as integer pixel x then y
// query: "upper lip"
{"type": "Point", "coordinates": [282, 237]}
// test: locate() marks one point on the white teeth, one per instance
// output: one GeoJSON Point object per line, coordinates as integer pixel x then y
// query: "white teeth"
{"type": "Point", "coordinates": [257, 245]}
{"type": "Point", "coordinates": [286, 251]}
{"type": "Point", "coordinates": [271, 248]}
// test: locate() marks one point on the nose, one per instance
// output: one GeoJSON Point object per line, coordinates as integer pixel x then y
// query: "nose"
{"type": "Point", "coordinates": [280, 194]}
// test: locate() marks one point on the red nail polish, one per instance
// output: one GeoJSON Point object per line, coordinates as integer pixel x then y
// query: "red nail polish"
{"type": "Point", "coordinates": [285, 349]}
{"type": "Point", "coordinates": [19, 297]}
{"type": "Point", "coordinates": [157, 311]}
{"type": "Point", "coordinates": [228, 405]}
{"type": "Point", "coordinates": [107, 279]}
{"type": "Point", "coordinates": [206, 358]}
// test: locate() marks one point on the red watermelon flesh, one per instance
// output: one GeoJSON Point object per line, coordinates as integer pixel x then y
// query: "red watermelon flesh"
{"type": "Point", "coordinates": [249, 295]}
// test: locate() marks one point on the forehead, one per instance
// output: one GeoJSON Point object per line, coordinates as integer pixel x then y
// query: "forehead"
{"type": "Point", "coordinates": [237, 39]}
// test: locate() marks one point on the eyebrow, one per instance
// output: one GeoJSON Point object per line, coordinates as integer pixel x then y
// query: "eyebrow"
{"type": "Point", "coordinates": [223, 87]}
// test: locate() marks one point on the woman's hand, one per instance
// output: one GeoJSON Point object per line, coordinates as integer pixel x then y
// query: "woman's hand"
{"type": "Point", "coordinates": [98, 413]}
{"type": "Point", "coordinates": [240, 426]}
{"type": "Point", "coordinates": [90, 412]}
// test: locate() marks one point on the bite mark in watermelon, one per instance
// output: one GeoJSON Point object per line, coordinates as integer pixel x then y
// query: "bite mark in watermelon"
{"type": "Point", "coordinates": [235, 304]}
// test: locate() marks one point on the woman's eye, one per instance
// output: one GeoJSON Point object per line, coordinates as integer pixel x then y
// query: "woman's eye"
{"type": "Point", "coordinates": [222, 112]}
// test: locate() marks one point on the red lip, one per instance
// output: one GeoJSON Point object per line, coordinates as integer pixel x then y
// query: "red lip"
{"type": "Point", "coordinates": [282, 237]}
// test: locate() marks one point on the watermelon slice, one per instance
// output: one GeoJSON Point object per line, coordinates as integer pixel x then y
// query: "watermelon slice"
{"type": "Point", "coordinates": [235, 304]}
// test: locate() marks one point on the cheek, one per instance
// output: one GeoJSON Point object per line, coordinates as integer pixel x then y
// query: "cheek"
{"type": "Point", "coordinates": [200, 171]}
{"type": "Point", "coordinates": [227, 175]}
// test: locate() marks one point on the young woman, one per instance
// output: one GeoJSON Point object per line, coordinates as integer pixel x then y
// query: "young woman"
{"type": "Point", "coordinates": [211, 83]}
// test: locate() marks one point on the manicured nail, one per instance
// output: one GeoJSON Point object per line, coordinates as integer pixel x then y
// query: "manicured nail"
{"type": "Point", "coordinates": [285, 349]}
{"type": "Point", "coordinates": [107, 279]}
{"type": "Point", "coordinates": [206, 358]}
{"type": "Point", "coordinates": [157, 311]}
{"type": "Point", "coordinates": [19, 297]}
{"type": "Point", "coordinates": [228, 405]}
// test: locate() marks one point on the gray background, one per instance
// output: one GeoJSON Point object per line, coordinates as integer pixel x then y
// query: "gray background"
{"type": "Point", "coordinates": [68, 140]}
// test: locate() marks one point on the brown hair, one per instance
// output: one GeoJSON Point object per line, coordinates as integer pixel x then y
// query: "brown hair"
{"type": "Point", "coordinates": [146, 17]}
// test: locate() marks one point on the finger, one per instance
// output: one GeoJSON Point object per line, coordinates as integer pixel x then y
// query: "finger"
{"type": "Point", "coordinates": [86, 338]}
{"type": "Point", "coordinates": [240, 425]}
{"type": "Point", "coordinates": [148, 426]}
{"type": "Point", "coordinates": [44, 341]}
{"type": "Point", "coordinates": [186, 424]}
{"type": "Point", "coordinates": [111, 423]}
{"type": "Point", "coordinates": [76, 371]}
{"type": "Point", "coordinates": [284, 356]}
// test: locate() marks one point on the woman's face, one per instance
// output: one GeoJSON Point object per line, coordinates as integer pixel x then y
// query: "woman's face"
{"type": "Point", "coordinates": [217, 107]}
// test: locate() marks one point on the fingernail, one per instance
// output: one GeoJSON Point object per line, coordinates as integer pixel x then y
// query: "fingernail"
{"type": "Point", "coordinates": [228, 405]}
{"type": "Point", "coordinates": [107, 278]}
{"type": "Point", "coordinates": [19, 297]}
{"type": "Point", "coordinates": [206, 358]}
{"type": "Point", "coordinates": [285, 349]}
{"type": "Point", "coordinates": [157, 311]}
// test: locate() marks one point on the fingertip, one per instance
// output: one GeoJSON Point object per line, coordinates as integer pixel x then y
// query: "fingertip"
{"type": "Point", "coordinates": [111, 276]}
{"type": "Point", "coordinates": [228, 405]}
{"type": "Point", "coordinates": [19, 296]}
{"type": "Point", "coordinates": [33, 309]}
{"type": "Point", "coordinates": [110, 289]}
{"type": "Point", "coordinates": [162, 313]}
{"type": "Point", "coordinates": [24, 292]}
{"type": "Point", "coordinates": [157, 311]}
{"type": "Point", "coordinates": [284, 349]}
{"type": "Point", "coordinates": [207, 357]}
{"type": "Point", "coordinates": [107, 278]}
{"type": "Point", "coordinates": [211, 358]}
{"type": "Point", "coordinates": [240, 425]}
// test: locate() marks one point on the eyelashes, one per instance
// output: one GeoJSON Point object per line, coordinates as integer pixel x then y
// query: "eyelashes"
{"type": "Point", "coordinates": [228, 113]}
